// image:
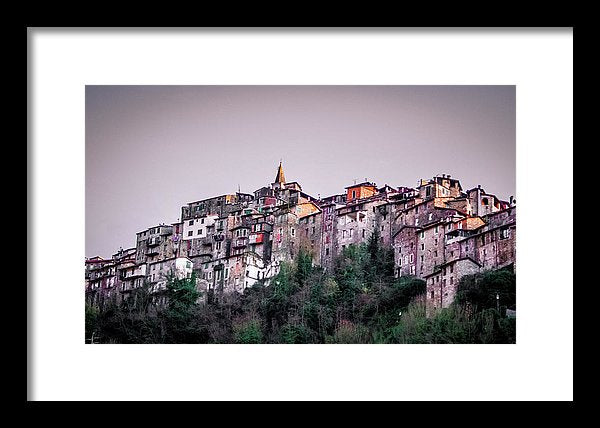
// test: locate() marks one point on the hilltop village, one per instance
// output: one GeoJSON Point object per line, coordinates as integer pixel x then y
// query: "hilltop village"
{"type": "Point", "coordinates": [439, 233]}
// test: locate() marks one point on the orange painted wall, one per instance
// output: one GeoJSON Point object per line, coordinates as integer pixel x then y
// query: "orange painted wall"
{"type": "Point", "coordinates": [304, 209]}
{"type": "Point", "coordinates": [361, 192]}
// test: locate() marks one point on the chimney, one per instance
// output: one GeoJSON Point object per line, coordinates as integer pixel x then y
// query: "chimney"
{"type": "Point", "coordinates": [443, 175]}
{"type": "Point", "coordinates": [449, 175]}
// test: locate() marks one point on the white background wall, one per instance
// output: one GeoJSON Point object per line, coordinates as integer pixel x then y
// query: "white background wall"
{"type": "Point", "coordinates": [539, 366]}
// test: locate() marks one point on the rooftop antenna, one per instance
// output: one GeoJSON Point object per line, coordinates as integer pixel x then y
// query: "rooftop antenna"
{"type": "Point", "coordinates": [355, 180]}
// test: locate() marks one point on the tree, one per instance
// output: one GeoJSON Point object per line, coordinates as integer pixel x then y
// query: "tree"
{"type": "Point", "coordinates": [182, 297]}
{"type": "Point", "coordinates": [247, 331]}
{"type": "Point", "coordinates": [480, 290]}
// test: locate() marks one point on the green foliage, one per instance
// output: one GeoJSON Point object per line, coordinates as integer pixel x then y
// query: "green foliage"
{"type": "Point", "coordinates": [348, 332]}
{"type": "Point", "coordinates": [295, 333]}
{"type": "Point", "coordinates": [303, 266]}
{"type": "Point", "coordinates": [456, 324]}
{"type": "Point", "coordinates": [247, 332]}
{"type": "Point", "coordinates": [480, 290]}
{"type": "Point", "coordinates": [91, 320]}
{"type": "Point", "coordinates": [182, 296]}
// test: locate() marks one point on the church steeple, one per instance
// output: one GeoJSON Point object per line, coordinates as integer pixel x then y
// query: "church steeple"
{"type": "Point", "coordinates": [280, 178]}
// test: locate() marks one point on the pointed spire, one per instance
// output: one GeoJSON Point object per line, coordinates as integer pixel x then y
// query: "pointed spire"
{"type": "Point", "coordinates": [280, 178]}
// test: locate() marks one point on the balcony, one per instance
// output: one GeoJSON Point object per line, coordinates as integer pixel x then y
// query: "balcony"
{"type": "Point", "coordinates": [240, 242]}
{"type": "Point", "coordinates": [154, 241]}
{"type": "Point", "coordinates": [256, 238]}
{"type": "Point", "coordinates": [166, 230]}
{"type": "Point", "coordinates": [152, 251]}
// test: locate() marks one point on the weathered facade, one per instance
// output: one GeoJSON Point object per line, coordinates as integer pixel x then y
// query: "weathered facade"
{"type": "Point", "coordinates": [438, 233]}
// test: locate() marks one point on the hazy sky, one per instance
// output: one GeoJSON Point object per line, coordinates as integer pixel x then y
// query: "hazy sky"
{"type": "Point", "coordinates": [152, 149]}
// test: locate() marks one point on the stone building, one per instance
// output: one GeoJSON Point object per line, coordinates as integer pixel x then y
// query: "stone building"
{"type": "Point", "coordinates": [441, 284]}
{"type": "Point", "coordinates": [154, 244]}
{"type": "Point", "coordinates": [329, 223]}
{"type": "Point", "coordinates": [311, 234]}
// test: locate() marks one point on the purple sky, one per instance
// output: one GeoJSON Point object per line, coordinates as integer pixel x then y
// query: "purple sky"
{"type": "Point", "coordinates": [152, 149]}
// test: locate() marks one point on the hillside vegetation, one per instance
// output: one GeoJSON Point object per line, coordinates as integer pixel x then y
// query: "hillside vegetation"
{"type": "Point", "coordinates": [360, 301]}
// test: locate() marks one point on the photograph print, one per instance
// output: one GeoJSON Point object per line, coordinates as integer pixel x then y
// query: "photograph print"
{"type": "Point", "coordinates": [300, 215]}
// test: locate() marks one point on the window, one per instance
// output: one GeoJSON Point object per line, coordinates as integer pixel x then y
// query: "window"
{"type": "Point", "coordinates": [191, 223]}
{"type": "Point", "coordinates": [422, 234]}
{"type": "Point", "coordinates": [190, 233]}
{"type": "Point", "coordinates": [382, 228]}
{"type": "Point", "coordinates": [432, 294]}
{"type": "Point", "coordinates": [416, 222]}
{"type": "Point", "coordinates": [199, 231]}
{"type": "Point", "coordinates": [430, 216]}
{"type": "Point", "coordinates": [202, 221]}
{"type": "Point", "coordinates": [293, 232]}
{"type": "Point", "coordinates": [436, 230]}
{"type": "Point", "coordinates": [313, 229]}
{"type": "Point", "coordinates": [353, 194]}
{"type": "Point", "coordinates": [422, 246]}
{"type": "Point", "coordinates": [351, 232]}
{"type": "Point", "coordinates": [363, 233]}
{"type": "Point", "coordinates": [412, 258]}
{"type": "Point", "coordinates": [326, 251]}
